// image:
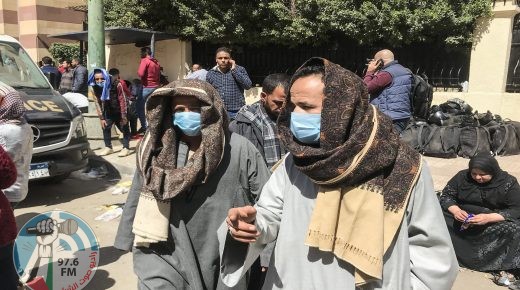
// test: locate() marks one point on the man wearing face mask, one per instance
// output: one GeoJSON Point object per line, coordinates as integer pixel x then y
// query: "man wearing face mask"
{"type": "Point", "coordinates": [109, 95]}
{"type": "Point", "coordinates": [190, 171]}
{"type": "Point", "coordinates": [351, 204]}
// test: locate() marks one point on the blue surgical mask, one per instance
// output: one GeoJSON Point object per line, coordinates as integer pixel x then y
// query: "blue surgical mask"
{"type": "Point", "coordinates": [306, 127]}
{"type": "Point", "coordinates": [100, 84]}
{"type": "Point", "coordinates": [188, 122]}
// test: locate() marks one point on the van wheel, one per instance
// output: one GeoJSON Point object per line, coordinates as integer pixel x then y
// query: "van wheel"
{"type": "Point", "coordinates": [56, 178]}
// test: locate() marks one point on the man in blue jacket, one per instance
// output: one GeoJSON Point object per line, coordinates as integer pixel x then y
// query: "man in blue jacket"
{"type": "Point", "coordinates": [389, 85]}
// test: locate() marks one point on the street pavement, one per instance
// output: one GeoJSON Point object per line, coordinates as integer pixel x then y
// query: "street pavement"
{"type": "Point", "coordinates": [83, 197]}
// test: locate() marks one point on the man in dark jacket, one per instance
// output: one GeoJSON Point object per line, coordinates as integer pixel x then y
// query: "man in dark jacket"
{"type": "Point", "coordinates": [79, 77]}
{"type": "Point", "coordinates": [389, 85]}
{"type": "Point", "coordinates": [109, 94]}
{"type": "Point", "coordinates": [257, 122]}
{"type": "Point", "coordinates": [49, 69]}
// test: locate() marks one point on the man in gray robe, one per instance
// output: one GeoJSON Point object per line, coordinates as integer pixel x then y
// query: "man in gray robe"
{"type": "Point", "coordinates": [190, 172]}
{"type": "Point", "coordinates": [350, 207]}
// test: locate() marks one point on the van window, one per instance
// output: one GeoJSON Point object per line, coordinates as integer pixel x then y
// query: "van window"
{"type": "Point", "coordinates": [18, 70]}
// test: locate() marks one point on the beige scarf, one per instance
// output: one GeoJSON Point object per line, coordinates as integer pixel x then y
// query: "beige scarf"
{"type": "Point", "coordinates": [352, 221]}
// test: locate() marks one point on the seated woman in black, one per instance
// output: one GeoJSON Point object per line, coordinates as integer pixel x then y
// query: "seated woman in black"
{"type": "Point", "coordinates": [482, 210]}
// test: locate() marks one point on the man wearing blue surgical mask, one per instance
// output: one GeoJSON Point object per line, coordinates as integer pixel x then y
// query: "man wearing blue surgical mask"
{"type": "Point", "coordinates": [186, 118]}
{"type": "Point", "coordinates": [350, 206]}
{"type": "Point", "coordinates": [110, 95]}
{"type": "Point", "coordinates": [307, 98]}
{"type": "Point", "coordinates": [190, 171]}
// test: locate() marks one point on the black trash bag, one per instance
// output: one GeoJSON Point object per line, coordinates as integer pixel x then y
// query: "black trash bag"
{"type": "Point", "coordinates": [438, 118]}
{"type": "Point", "coordinates": [484, 118]}
{"type": "Point", "coordinates": [456, 106]}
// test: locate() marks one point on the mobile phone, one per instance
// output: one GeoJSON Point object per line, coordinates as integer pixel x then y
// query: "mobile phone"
{"type": "Point", "coordinates": [465, 223]}
{"type": "Point", "coordinates": [380, 64]}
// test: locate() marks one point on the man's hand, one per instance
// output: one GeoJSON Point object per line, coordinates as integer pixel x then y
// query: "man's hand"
{"type": "Point", "coordinates": [232, 63]}
{"type": "Point", "coordinates": [241, 226]}
{"type": "Point", "coordinates": [103, 124]}
{"type": "Point", "coordinates": [124, 121]}
{"type": "Point", "coordinates": [372, 66]}
{"type": "Point", "coordinates": [458, 213]}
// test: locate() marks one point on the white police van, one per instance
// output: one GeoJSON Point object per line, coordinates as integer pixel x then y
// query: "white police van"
{"type": "Point", "coordinates": [60, 139]}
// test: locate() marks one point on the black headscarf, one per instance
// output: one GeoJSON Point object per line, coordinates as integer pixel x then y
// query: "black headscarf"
{"type": "Point", "coordinates": [486, 163]}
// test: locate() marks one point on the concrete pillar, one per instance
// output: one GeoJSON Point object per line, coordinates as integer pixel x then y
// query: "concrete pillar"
{"type": "Point", "coordinates": [96, 35]}
{"type": "Point", "coordinates": [95, 59]}
{"type": "Point", "coordinates": [491, 49]}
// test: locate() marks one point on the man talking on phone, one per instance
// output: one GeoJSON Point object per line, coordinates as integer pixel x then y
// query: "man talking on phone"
{"type": "Point", "coordinates": [230, 80]}
{"type": "Point", "coordinates": [390, 85]}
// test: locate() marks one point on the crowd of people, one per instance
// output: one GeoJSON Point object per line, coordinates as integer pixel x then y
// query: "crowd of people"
{"type": "Point", "coordinates": [312, 169]}
{"type": "Point", "coordinates": [310, 187]}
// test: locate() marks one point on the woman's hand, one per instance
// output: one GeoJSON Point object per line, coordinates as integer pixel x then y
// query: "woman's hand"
{"type": "Point", "coordinates": [458, 213]}
{"type": "Point", "coordinates": [485, 218]}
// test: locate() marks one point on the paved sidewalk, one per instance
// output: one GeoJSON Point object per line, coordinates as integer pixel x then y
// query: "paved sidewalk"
{"type": "Point", "coordinates": [444, 169]}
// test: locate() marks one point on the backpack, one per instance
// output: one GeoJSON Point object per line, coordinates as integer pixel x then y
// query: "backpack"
{"type": "Point", "coordinates": [474, 140]}
{"type": "Point", "coordinates": [440, 141]}
{"type": "Point", "coordinates": [421, 97]}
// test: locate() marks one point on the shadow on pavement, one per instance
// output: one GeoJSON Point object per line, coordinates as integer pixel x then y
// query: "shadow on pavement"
{"type": "Point", "coordinates": [109, 255]}
{"type": "Point", "coordinates": [23, 218]}
{"type": "Point", "coordinates": [101, 280]}
{"type": "Point", "coordinates": [76, 186]}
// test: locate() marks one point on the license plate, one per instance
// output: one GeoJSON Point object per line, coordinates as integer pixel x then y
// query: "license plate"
{"type": "Point", "coordinates": [39, 170]}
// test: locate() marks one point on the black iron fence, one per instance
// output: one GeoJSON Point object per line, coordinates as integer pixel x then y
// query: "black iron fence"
{"type": "Point", "coordinates": [513, 71]}
{"type": "Point", "coordinates": [446, 68]}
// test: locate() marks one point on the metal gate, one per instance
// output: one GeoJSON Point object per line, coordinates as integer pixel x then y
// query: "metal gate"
{"type": "Point", "coordinates": [445, 67]}
{"type": "Point", "coordinates": [513, 71]}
